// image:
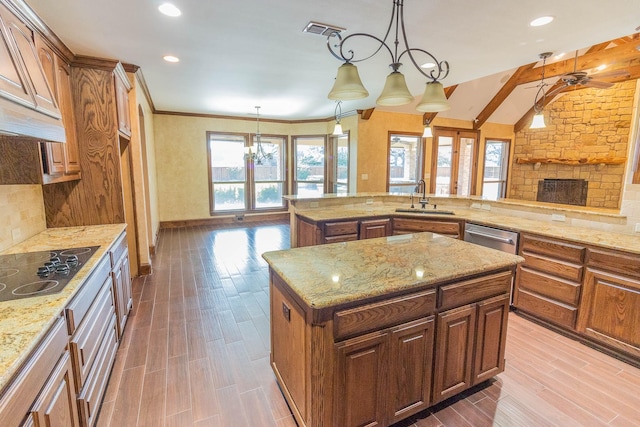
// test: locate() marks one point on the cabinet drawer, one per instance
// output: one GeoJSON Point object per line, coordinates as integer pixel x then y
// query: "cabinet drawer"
{"type": "Point", "coordinates": [553, 248]}
{"type": "Point", "coordinates": [383, 314]}
{"type": "Point", "coordinates": [404, 225]}
{"type": "Point", "coordinates": [77, 309]}
{"type": "Point", "coordinates": [557, 268]}
{"type": "Point", "coordinates": [457, 294]}
{"type": "Point", "coordinates": [85, 343]}
{"type": "Point", "coordinates": [343, 238]}
{"type": "Point", "coordinates": [118, 249]}
{"type": "Point", "coordinates": [91, 396]}
{"type": "Point", "coordinates": [546, 309]}
{"type": "Point", "coordinates": [22, 392]}
{"type": "Point", "coordinates": [612, 261]}
{"type": "Point", "coordinates": [339, 228]}
{"type": "Point", "coordinates": [552, 287]}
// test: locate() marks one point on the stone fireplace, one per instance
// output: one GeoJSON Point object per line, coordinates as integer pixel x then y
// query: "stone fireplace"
{"type": "Point", "coordinates": [563, 191]}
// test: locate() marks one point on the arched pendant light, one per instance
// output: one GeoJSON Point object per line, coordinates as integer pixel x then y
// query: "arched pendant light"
{"type": "Point", "coordinates": [540, 99]}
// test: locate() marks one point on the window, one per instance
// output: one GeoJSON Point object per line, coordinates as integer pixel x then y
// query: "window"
{"type": "Point", "coordinates": [405, 162]}
{"type": "Point", "coordinates": [241, 184]}
{"type": "Point", "coordinates": [338, 164]}
{"type": "Point", "coordinates": [496, 163]}
{"type": "Point", "coordinates": [454, 161]}
{"type": "Point", "coordinates": [309, 165]}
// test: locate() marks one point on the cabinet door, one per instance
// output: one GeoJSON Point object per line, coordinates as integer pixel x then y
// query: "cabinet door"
{"type": "Point", "coordinates": [491, 338]}
{"type": "Point", "coordinates": [13, 85]}
{"type": "Point", "coordinates": [56, 406]}
{"type": "Point", "coordinates": [454, 352]}
{"type": "Point", "coordinates": [410, 369]}
{"type": "Point", "coordinates": [122, 104]}
{"type": "Point", "coordinates": [65, 101]}
{"type": "Point", "coordinates": [361, 381]}
{"type": "Point", "coordinates": [609, 311]}
{"type": "Point", "coordinates": [373, 228]}
{"type": "Point", "coordinates": [122, 292]}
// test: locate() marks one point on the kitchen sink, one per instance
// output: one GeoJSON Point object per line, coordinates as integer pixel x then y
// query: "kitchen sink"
{"type": "Point", "coordinates": [425, 211]}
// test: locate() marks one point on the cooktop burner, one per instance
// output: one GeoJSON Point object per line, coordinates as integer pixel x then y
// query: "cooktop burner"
{"type": "Point", "coordinates": [32, 274]}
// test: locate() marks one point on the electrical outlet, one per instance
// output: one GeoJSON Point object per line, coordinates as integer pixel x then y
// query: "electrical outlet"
{"type": "Point", "coordinates": [486, 207]}
{"type": "Point", "coordinates": [476, 206]}
{"type": "Point", "coordinates": [314, 204]}
{"type": "Point", "coordinates": [637, 227]}
{"type": "Point", "coordinates": [369, 201]}
{"type": "Point", "coordinates": [558, 217]}
{"type": "Point", "coordinates": [364, 176]}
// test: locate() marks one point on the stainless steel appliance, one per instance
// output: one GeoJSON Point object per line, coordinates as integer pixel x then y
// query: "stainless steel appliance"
{"type": "Point", "coordinates": [33, 274]}
{"type": "Point", "coordinates": [495, 238]}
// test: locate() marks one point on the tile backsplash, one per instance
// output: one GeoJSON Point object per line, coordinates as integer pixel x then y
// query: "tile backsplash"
{"type": "Point", "coordinates": [21, 213]}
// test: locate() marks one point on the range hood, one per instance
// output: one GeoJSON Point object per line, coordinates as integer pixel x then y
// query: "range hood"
{"type": "Point", "coordinates": [19, 120]}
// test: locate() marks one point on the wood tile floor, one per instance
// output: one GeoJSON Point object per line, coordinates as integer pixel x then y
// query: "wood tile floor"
{"type": "Point", "coordinates": [196, 352]}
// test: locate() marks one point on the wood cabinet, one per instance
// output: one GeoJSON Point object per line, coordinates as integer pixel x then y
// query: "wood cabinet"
{"type": "Point", "coordinates": [379, 362]}
{"type": "Point", "coordinates": [122, 88]}
{"type": "Point", "coordinates": [450, 228]}
{"type": "Point", "coordinates": [549, 282]}
{"type": "Point", "coordinates": [610, 307]}
{"type": "Point", "coordinates": [121, 280]}
{"type": "Point", "coordinates": [372, 228]}
{"type": "Point", "coordinates": [60, 161]}
{"type": "Point", "coordinates": [339, 231]}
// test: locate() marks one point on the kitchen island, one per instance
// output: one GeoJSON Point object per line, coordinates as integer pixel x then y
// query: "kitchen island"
{"type": "Point", "coordinates": [370, 332]}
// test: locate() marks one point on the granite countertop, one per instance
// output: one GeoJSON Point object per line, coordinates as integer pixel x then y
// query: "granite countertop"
{"type": "Point", "coordinates": [624, 242]}
{"type": "Point", "coordinates": [329, 275]}
{"type": "Point", "coordinates": [24, 322]}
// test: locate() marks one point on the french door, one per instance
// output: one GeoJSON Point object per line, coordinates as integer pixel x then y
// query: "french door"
{"type": "Point", "coordinates": [454, 162]}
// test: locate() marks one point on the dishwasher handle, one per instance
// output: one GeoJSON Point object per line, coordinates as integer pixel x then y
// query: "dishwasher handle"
{"type": "Point", "coordinates": [492, 237]}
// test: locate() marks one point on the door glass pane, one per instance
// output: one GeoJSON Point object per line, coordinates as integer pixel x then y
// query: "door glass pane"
{"type": "Point", "coordinates": [465, 166]}
{"type": "Point", "coordinates": [404, 156]}
{"type": "Point", "coordinates": [309, 168]}
{"type": "Point", "coordinates": [495, 169]}
{"type": "Point", "coordinates": [342, 164]}
{"type": "Point", "coordinates": [228, 171]}
{"type": "Point", "coordinates": [445, 159]}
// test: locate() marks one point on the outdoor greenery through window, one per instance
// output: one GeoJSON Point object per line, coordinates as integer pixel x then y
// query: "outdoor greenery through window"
{"type": "Point", "coordinates": [405, 162]}
{"type": "Point", "coordinates": [239, 183]}
{"type": "Point", "coordinates": [496, 161]}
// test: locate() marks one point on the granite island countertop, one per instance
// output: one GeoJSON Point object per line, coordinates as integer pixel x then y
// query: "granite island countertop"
{"type": "Point", "coordinates": [24, 322]}
{"type": "Point", "coordinates": [624, 242]}
{"type": "Point", "coordinates": [335, 274]}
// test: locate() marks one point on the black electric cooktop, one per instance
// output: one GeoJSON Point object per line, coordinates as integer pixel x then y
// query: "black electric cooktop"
{"type": "Point", "coordinates": [33, 274]}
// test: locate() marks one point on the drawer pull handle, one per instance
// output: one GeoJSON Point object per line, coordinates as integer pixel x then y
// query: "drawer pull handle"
{"type": "Point", "coordinates": [286, 312]}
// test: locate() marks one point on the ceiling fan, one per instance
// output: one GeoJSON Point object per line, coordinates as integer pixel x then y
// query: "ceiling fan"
{"type": "Point", "coordinates": [584, 79]}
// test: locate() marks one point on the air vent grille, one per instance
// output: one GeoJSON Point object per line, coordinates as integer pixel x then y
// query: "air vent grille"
{"type": "Point", "coordinates": [321, 29]}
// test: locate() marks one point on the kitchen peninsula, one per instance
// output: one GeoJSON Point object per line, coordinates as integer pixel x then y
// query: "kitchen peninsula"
{"type": "Point", "coordinates": [370, 332]}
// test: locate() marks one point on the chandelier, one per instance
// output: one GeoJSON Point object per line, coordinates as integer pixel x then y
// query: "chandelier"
{"type": "Point", "coordinates": [540, 99]}
{"type": "Point", "coordinates": [256, 152]}
{"type": "Point", "coordinates": [348, 85]}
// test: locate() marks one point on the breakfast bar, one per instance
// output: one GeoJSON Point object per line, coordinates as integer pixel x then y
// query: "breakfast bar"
{"type": "Point", "coordinates": [370, 332]}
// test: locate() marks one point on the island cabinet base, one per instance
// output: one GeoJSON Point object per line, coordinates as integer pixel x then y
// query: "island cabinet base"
{"type": "Point", "coordinates": [382, 360]}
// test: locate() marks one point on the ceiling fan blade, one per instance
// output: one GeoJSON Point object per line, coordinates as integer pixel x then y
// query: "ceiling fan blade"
{"type": "Point", "coordinates": [597, 84]}
{"type": "Point", "coordinates": [611, 74]}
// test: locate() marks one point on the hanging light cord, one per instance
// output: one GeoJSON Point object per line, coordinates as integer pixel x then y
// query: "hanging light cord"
{"type": "Point", "coordinates": [338, 112]}
{"type": "Point", "coordinates": [541, 95]}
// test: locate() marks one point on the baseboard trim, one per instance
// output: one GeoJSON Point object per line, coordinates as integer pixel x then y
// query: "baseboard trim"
{"type": "Point", "coordinates": [144, 269]}
{"type": "Point", "coordinates": [226, 220]}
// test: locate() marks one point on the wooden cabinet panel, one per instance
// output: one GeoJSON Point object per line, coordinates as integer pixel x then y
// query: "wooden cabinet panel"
{"type": "Point", "coordinates": [361, 379]}
{"type": "Point", "coordinates": [13, 83]}
{"type": "Point", "coordinates": [65, 102]}
{"type": "Point", "coordinates": [468, 291]}
{"type": "Point", "coordinates": [307, 234]}
{"type": "Point", "coordinates": [370, 229]}
{"type": "Point", "coordinates": [341, 228]}
{"type": "Point", "coordinates": [411, 368]}
{"type": "Point", "coordinates": [616, 262]}
{"type": "Point", "coordinates": [412, 225]}
{"type": "Point", "coordinates": [549, 286]}
{"type": "Point", "coordinates": [339, 239]}
{"type": "Point", "coordinates": [565, 270]}
{"type": "Point", "coordinates": [383, 314]}
{"type": "Point", "coordinates": [610, 311]}
{"type": "Point", "coordinates": [491, 338]}
{"type": "Point", "coordinates": [546, 308]}
{"type": "Point", "coordinates": [454, 352]}
{"type": "Point", "coordinates": [555, 249]}
{"type": "Point", "coordinates": [122, 88]}
{"type": "Point", "coordinates": [56, 406]}
{"type": "Point", "coordinates": [79, 306]}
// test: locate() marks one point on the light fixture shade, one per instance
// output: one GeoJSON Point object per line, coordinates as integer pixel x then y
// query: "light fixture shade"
{"type": "Point", "coordinates": [348, 84]}
{"type": "Point", "coordinates": [395, 91]}
{"type": "Point", "coordinates": [427, 132]}
{"type": "Point", "coordinates": [538, 122]}
{"type": "Point", "coordinates": [433, 100]}
{"type": "Point", "coordinates": [337, 130]}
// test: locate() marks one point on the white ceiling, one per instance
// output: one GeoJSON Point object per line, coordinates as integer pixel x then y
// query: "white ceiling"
{"type": "Point", "coordinates": [239, 54]}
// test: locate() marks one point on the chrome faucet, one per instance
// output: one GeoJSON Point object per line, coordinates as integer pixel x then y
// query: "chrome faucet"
{"type": "Point", "coordinates": [424, 200]}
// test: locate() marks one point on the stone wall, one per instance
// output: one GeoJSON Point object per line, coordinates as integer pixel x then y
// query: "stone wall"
{"type": "Point", "coordinates": [586, 123]}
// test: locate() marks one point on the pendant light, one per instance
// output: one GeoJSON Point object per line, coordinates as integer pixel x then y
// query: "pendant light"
{"type": "Point", "coordinates": [541, 95]}
{"type": "Point", "coordinates": [337, 130]}
{"type": "Point", "coordinates": [348, 85]}
{"type": "Point", "coordinates": [428, 133]}
{"type": "Point", "coordinates": [256, 152]}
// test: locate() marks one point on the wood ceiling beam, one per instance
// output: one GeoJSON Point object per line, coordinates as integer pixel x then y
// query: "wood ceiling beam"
{"type": "Point", "coordinates": [366, 114]}
{"type": "Point", "coordinates": [499, 98]}
{"type": "Point", "coordinates": [448, 91]}
{"type": "Point", "coordinates": [618, 54]}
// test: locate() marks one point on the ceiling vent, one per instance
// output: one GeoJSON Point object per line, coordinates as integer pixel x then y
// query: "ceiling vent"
{"type": "Point", "coordinates": [321, 29]}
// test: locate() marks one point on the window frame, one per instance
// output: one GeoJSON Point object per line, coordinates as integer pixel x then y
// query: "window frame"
{"type": "Point", "coordinates": [332, 162]}
{"type": "Point", "coordinates": [294, 160]}
{"type": "Point", "coordinates": [505, 182]}
{"type": "Point", "coordinates": [420, 160]}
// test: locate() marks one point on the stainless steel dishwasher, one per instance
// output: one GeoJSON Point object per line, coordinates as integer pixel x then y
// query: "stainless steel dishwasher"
{"type": "Point", "coordinates": [495, 238]}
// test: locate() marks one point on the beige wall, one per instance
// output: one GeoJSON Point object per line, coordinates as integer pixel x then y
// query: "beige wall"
{"type": "Point", "coordinates": [21, 213]}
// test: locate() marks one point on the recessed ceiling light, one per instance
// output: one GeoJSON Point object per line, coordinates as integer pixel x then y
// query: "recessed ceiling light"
{"type": "Point", "coordinates": [169, 9]}
{"type": "Point", "coordinates": [601, 67]}
{"type": "Point", "coordinates": [543, 20]}
{"type": "Point", "coordinates": [428, 65]}
{"type": "Point", "coordinates": [171, 58]}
